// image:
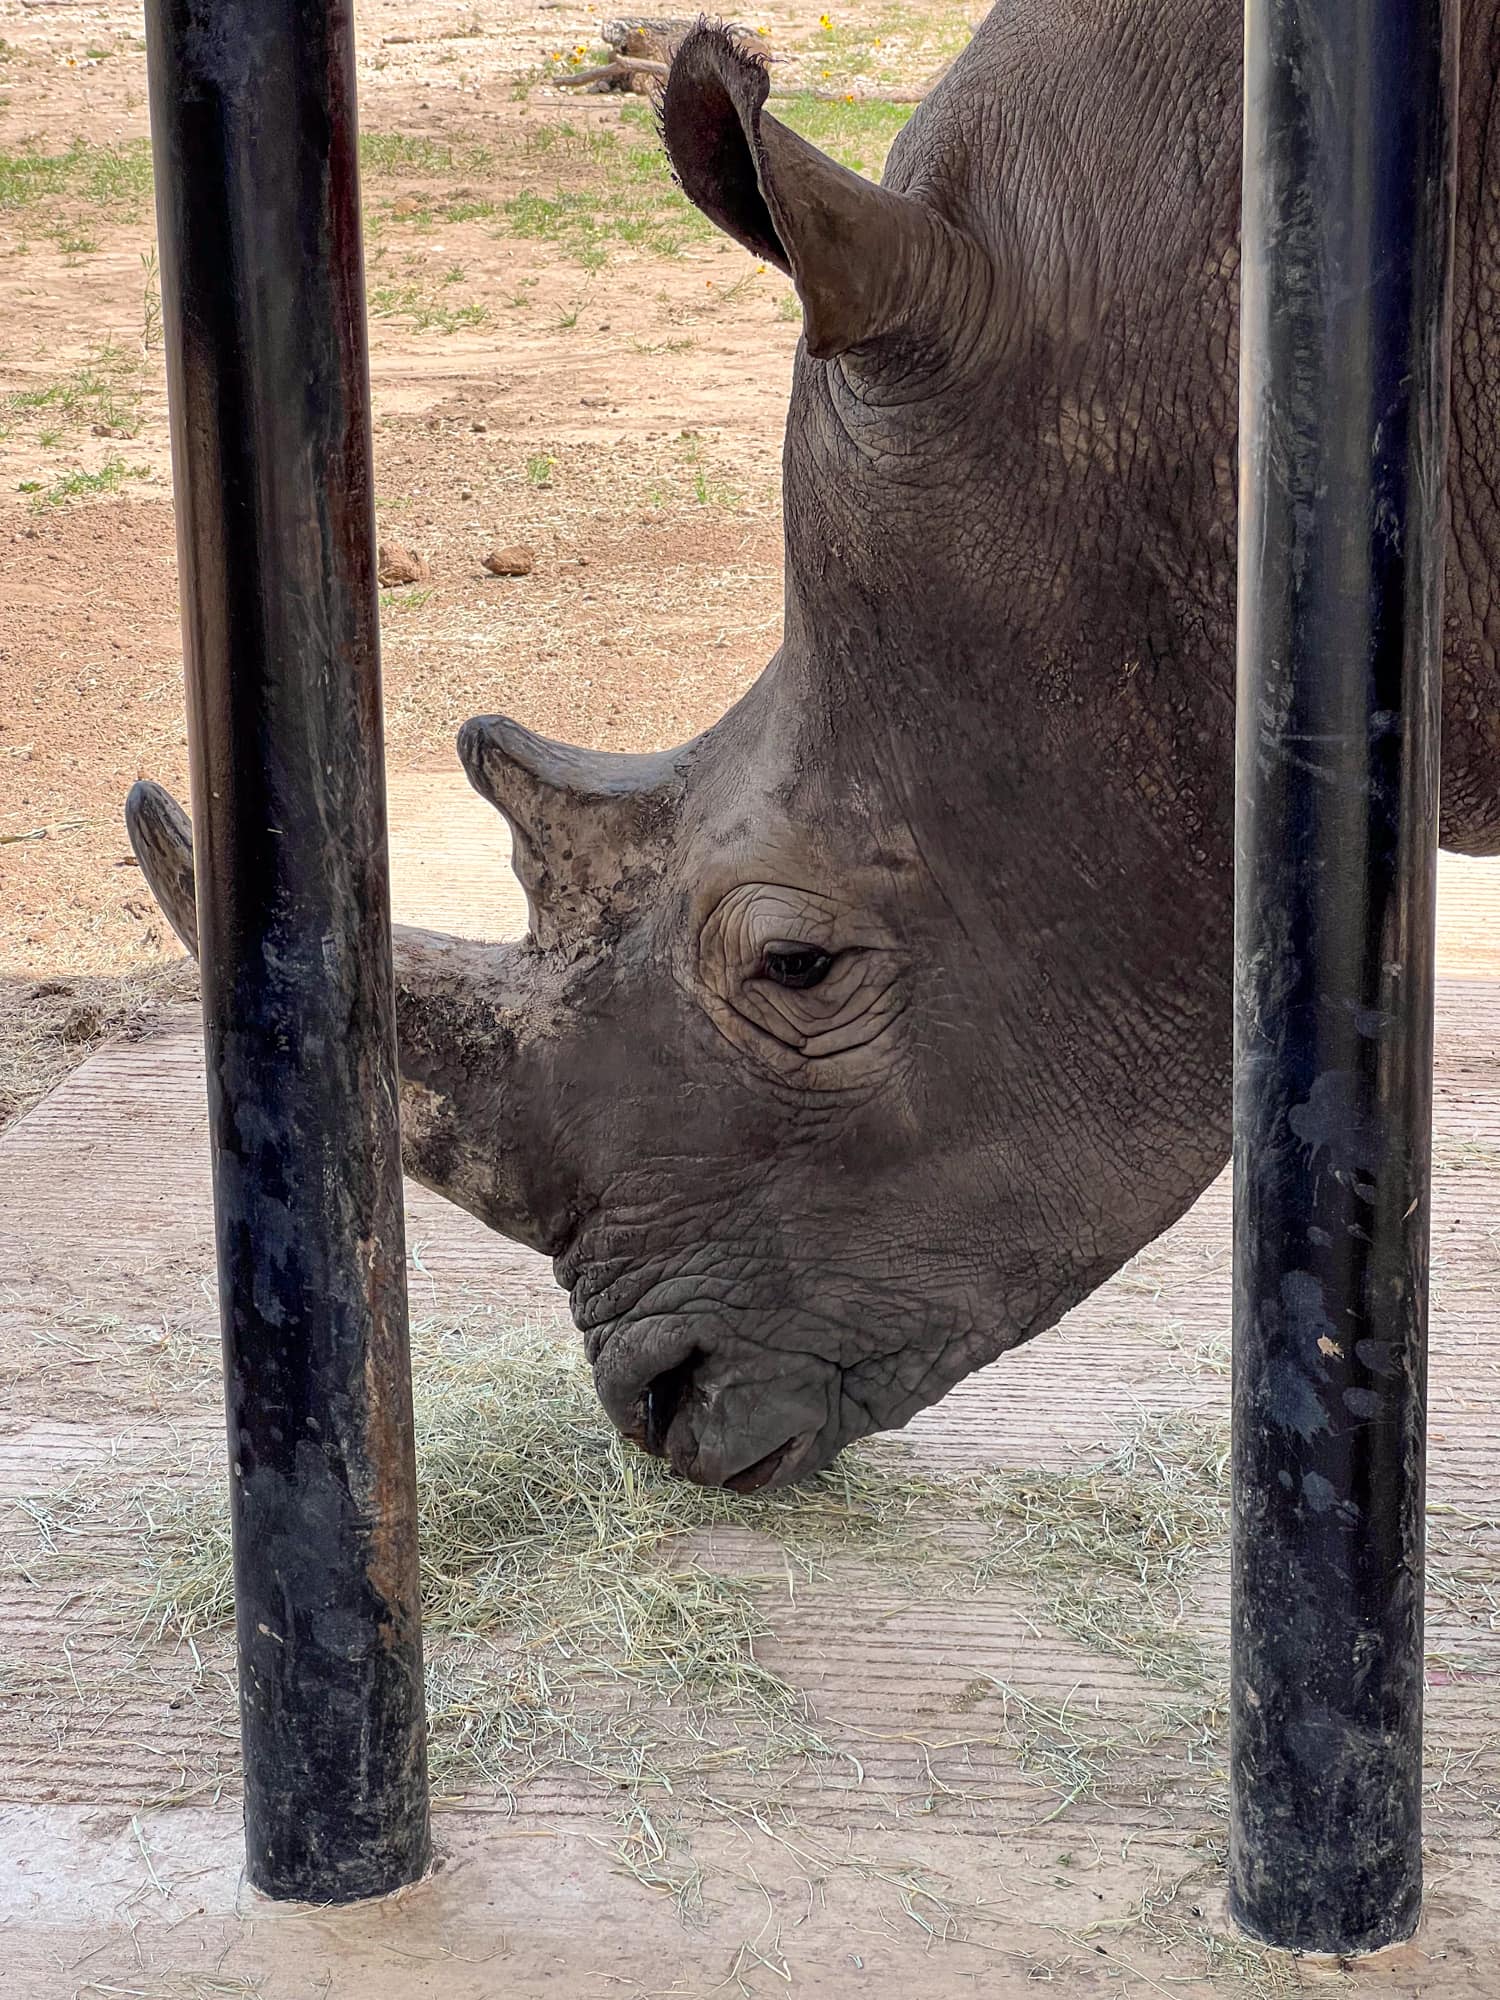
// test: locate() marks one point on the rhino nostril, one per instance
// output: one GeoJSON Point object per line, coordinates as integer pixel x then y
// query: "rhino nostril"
{"type": "Point", "coordinates": [663, 1399]}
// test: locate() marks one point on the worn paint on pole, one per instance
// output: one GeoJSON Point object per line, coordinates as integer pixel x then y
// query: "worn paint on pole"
{"type": "Point", "coordinates": [252, 118]}
{"type": "Point", "coordinates": [1348, 215]}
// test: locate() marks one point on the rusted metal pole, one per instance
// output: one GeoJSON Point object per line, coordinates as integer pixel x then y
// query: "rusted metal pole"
{"type": "Point", "coordinates": [252, 118]}
{"type": "Point", "coordinates": [1348, 220]}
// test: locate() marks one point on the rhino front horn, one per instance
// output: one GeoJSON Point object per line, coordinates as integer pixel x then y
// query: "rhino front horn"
{"type": "Point", "coordinates": [589, 827]}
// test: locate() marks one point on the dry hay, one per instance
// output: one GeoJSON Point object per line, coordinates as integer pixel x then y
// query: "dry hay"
{"type": "Point", "coordinates": [554, 1553]}
{"type": "Point", "coordinates": [587, 1610]}
{"type": "Point", "coordinates": [48, 1027]}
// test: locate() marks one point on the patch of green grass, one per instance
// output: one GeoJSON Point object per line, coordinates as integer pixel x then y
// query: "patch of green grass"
{"type": "Point", "coordinates": [858, 135]}
{"type": "Point", "coordinates": [707, 491]}
{"type": "Point", "coordinates": [422, 312]}
{"type": "Point", "coordinates": [82, 485]}
{"type": "Point", "coordinates": [539, 469]}
{"type": "Point", "coordinates": [466, 208]}
{"type": "Point", "coordinates": [905, 46]}
{"type": "Point", "coordinates": [112, 179]}
{"type": "Point", "coordinates": [586, 223]}
{"type": "Point", "coordinates": [105, 390]}
{"type": "Point", "coordinates": [635, 204]}
{"type": "Point", "coordinates": [400, 153]}
{"type": "Point", "coordinates": [608, 190]}
{"type": "Point", "coordinates": [151, 321]}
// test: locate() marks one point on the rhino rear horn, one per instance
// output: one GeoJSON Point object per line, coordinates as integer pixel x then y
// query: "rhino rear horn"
{"type": "Point", "coordinates": [865, 259]}
{"type": "Point", "coordinates": [162, 839]}
{"type": "Point", "coordinates": [589, 826]}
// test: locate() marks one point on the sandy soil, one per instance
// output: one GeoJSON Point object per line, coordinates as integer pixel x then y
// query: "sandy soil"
{"type": "Point", "coordinates": [563, 355]}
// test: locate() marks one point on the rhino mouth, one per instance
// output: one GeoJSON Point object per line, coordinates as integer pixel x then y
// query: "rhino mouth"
{"type": "Point", "coordinates": [706, 1409]}
{"type": "Point", "coordinates": [667, 1420]}
{"type": "Point", "coordinates": [781, 1467]}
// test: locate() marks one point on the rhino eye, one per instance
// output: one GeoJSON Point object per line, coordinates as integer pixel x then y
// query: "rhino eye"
{"type": "Point", "coordinates": [795, 964]}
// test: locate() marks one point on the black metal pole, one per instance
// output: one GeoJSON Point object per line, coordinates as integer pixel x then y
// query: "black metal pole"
{"type": "Point", "coordinates": [1348, 201]}
{"type": "Point", "coordinates": [252, 117]}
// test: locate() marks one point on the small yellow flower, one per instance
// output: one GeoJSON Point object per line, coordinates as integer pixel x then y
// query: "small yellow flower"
{"type": "Point", "coordinates": [825, 24]}
{"type": "Point", "coordinates": [583, 48]}
{"type": "Point", "coordinates": [760, 270]}
{"type": "Point", "coordinates": [848, 96]}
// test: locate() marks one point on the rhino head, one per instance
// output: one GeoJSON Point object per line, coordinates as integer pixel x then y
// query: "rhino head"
{"type": "Point", "coordinates": [857, 1039]}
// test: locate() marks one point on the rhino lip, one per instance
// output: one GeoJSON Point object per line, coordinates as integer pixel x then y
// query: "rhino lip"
{"type": "Point", "coordinates": [755, 1477]}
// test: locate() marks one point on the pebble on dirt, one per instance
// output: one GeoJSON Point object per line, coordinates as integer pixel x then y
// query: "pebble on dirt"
{"type": "Point", "coordinates": [509, 562]}
{"type": "Point", "coordinates": [396, 565]}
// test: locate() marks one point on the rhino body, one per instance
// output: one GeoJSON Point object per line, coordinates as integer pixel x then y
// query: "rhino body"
{"type": "Point", "coordinates": [858, 1039]}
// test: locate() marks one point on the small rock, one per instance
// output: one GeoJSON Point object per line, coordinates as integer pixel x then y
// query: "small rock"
{"type": "Point", "coordinates": [466, 493]}
{"type": "Point", "coordinates": [594, 402]}
{"type": "Point", "coordinates": [395, 565]}
{"type": "Point", "coordinates": [509, 562]}
{"type": "Point", "coordinates": [479, 424]}
{"type": "Point", "coordinates": [107, 430]}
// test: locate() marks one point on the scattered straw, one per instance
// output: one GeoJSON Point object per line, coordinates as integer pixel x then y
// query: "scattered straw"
{"type": "Point", "coordinates": [588, 1611]}
{"type": "Point", "coordinates": [1171, 1916]}
{"type": "Point", "coordinates": [49, 1026]}
{"type": "Point", "coordinates": [585, 1609]}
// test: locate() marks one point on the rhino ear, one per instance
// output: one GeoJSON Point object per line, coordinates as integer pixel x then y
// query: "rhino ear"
{"type": "Point", "coordinates": [590, 827]}
{"type": "Point", "coordinates": [864, 258]}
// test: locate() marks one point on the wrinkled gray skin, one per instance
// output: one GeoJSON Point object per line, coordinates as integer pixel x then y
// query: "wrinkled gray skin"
{"type": "Point", "coordinates": [988, 771]}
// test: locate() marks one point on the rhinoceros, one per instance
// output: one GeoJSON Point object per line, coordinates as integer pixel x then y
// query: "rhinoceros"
{"type": "Point", "coordinates": [858, 1039]}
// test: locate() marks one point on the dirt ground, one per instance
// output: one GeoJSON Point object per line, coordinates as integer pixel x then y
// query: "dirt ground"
{"type": "Point", "coordinates": [563, 355]}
